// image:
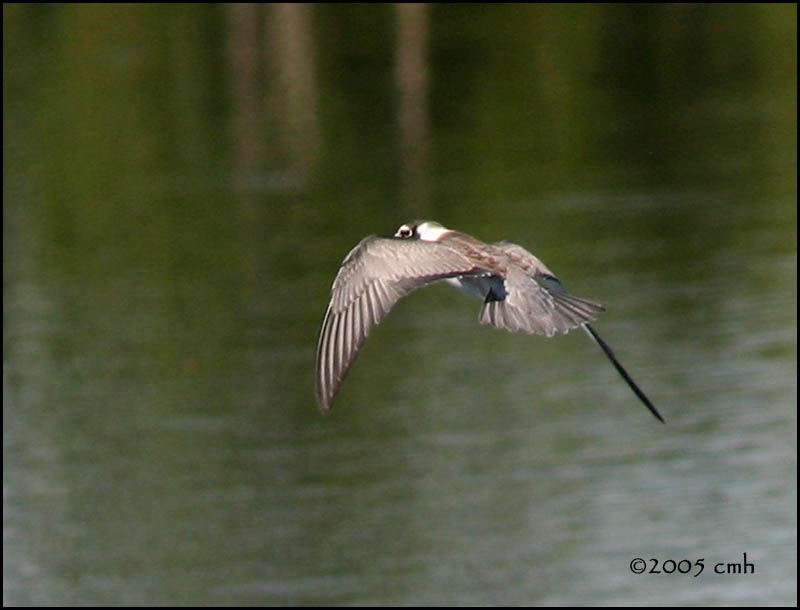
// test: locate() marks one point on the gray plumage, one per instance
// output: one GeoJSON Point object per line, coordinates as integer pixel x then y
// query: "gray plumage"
{"type": "Point", "coordinates": [519, 292]}
{"type": "Point", "coordinates": [376, 274]}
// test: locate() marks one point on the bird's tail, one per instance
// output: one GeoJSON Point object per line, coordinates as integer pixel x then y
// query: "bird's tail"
{"type": "Point", "coordinates": [621, 370]}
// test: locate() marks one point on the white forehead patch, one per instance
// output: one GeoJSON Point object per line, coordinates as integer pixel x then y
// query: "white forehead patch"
{"type": "Point", "coordinates": [431, 231]}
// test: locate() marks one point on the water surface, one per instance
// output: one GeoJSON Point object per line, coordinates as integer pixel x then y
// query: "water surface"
{"type": "Point", "coordinates": [178, 194]}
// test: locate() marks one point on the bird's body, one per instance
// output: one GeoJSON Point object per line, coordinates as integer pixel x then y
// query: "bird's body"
{"type": "Point", "coordinates": [519, 293]}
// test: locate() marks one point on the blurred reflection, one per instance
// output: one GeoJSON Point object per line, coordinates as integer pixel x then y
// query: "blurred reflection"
{"type": "Point", "coordinates": [411, 75]}
{"type": "Point", "coordinates": [290, 47]}
{"type": "Point", "coordinates": [242, 43]}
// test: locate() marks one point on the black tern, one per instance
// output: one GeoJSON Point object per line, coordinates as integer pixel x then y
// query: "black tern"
{"type": "Point", "coordinates": [519, 293]}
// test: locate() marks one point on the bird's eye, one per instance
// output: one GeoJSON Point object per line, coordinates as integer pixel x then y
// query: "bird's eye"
{"type": "Point", "coordinates": [404, 232]}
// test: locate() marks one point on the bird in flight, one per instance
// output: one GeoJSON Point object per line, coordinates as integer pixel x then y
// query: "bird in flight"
{"type": "Point", "coordinates": [518, 291]}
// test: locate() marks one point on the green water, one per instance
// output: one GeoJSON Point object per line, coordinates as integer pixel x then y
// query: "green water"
{"type": "Point", "coordinates": [180, 185]}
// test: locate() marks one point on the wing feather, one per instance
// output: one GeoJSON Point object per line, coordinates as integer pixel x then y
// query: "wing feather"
{"type": "Point", "coordinates": [376, 274]}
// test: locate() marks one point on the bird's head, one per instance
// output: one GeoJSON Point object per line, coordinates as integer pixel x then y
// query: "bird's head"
{"type": "Point", "coordinates": [426, 230]}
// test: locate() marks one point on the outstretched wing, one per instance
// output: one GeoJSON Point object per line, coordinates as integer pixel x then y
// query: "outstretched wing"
{"type": "Point", "coordinates": [376, 274]}
{"type": "Point", "coordinates": [533, 299]}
